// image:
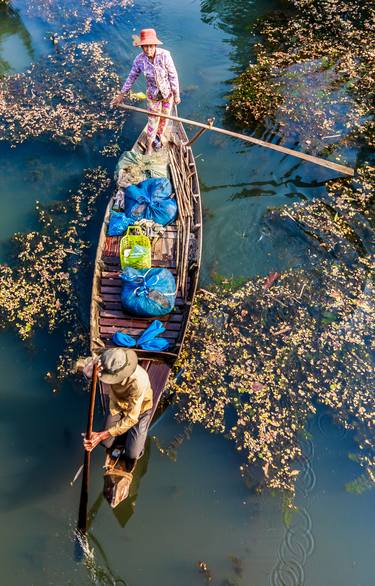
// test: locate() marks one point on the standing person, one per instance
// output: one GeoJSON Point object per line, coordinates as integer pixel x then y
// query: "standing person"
{"type": "Point", "coordinates": [130, 404]}
{"type": "Point", "coordinates": [162, 84]}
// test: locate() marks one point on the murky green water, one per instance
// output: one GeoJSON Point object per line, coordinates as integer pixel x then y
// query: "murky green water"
{"type": "Point", "coordinates": [196, 508]}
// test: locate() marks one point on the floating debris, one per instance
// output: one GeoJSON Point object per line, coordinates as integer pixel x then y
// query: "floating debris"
{"type": "Point", "coordinates": [38, 289]}
{"type": "Point", "coordinates": [75, 17]}
{"type": "Point", "coordinates": [313, 75]}
{"type": "Point", "coordinates": [66, 97]}
{"type": "Point", "coordinates": [277, 356]}
{"type": "Point", "coordinates": [289, 341]}
{"type": "Point", "coordinates": [205, 571]}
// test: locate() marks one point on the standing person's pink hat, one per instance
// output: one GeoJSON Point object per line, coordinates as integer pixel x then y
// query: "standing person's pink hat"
{"type": "Point", "coordinates": [147, 37]}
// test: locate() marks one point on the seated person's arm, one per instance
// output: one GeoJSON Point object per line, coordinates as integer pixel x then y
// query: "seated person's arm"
{"type": "Point", "coordinates": [131, 415]}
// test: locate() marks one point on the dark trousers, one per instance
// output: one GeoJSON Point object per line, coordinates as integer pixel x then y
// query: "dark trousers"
{"type": "Point", "coordinates": [134, 439]}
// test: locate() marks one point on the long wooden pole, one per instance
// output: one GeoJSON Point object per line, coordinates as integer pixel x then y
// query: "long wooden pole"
{"type": "Point", "coordinates": [82, 513]}
{"type": "Point", "coordinates": [257, 141]}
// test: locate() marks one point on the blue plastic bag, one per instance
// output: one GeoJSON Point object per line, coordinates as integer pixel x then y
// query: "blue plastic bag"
{"type": "Point", "coordinates": [122, 339]}
{"type": "Point", "coordinates": [151, 199]}
{"type": "Point", "coordinates": [118, 223]}
{"type": "Point", "coordinates": [148, 340]}
{"type": "Point", "coordinates": [148, 292]}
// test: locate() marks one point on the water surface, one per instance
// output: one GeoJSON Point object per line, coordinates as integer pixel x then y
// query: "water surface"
{"type": "Point", "coordinates": [197, 507]}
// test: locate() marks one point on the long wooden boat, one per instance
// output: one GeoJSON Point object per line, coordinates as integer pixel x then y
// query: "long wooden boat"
{"type": "Point", "coordinates": [179, 250]}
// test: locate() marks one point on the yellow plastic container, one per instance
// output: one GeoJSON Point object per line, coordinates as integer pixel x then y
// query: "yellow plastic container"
{"type": "Point", "coordinates": [130, 253]}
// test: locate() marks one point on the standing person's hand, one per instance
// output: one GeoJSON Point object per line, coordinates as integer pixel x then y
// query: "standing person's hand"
{"type": "Point", "coordinates": [117, 100]}
{"type": "Point", "coordinates": [177, 100]}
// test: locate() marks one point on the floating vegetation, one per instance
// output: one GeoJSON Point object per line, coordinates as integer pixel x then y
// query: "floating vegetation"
{"type": "Point", "coordinates": [268, 355]}
{"type": "Point", "coordinates": [336, 222]}
{"type": "Point", "coordinates": [38, 289]}
{"type": "Point", "coordinates": [65, 97]}
{"type": "Point", "coordinates": [269, 351]}
{"type": "Point", "coordinates": [75, 17]}
{"type": "Point", "coordinates": [359, 485]}
{"type": "Point", "coordinates": [313, 74]}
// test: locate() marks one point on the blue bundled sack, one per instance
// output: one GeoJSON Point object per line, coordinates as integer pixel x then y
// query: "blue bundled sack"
{"type": "Point", "coordinates": [151, 199]}
{"type": "Point", "coordinates": [149, 340]}
{"type": "Point", "coordinates": [118, 223]}
{"type": "Point", "coordinates": [148, 292]}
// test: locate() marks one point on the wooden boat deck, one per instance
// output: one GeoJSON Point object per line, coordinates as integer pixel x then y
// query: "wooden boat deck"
{"type": "Point", "coordinates": [179, 250]}
{"type": "Point", "coordinates": [112, 317]}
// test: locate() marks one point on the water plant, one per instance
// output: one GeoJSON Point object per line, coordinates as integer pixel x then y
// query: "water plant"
{"type": "Point", "coordinates": [312, 74]}
{"type": "Point", "coordinates": [38, 289]}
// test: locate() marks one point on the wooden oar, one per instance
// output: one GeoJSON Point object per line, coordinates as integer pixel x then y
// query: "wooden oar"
{"type": "Point", "coordinates": [82, 513]}
{"type": "Point", "coordinates": [268, 145]}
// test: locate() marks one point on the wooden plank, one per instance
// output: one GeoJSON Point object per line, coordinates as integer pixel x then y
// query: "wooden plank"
{"type": "Point", "coordinates": [158, 373]}
{"type": "Point", "coordinates": [106, 331]}
{"type": "Point", "coordinates": [116, 297]}
{"type": "Point", "coordinates": [110, 274]}
{"type": "Point", "coordinates": [113, 263]}
{"type": "Point", "coordinates": [114, 281]}
{"type": "Point", "coordinates": [112, 246]}
{"type": "Point", "coordinates": [127, 323]}
{"type": "Point", "coordinates": [122, 315]}
{"type": "Point", "coordinates": [110, 305]}
{"type": "Point", "coordinates": [114, 272]}
{"type": "Point", "coordinates": [112, 289]}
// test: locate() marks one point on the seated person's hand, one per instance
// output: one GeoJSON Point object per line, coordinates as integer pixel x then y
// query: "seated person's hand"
{"type": "Point", "coordinates": [89, 367]}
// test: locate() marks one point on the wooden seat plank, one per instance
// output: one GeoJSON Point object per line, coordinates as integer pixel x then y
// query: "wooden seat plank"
{"type": "Point", "coordinates": [128, 323]}
{"type": "Point", "coordinates": [113, 263]}
{"type": "Point", "coordinates": [114, 282]}
{"type": "Point", "coordinates": [108, 305]}
{"type": "Point", "coordinates": [108, 331]}
{"type": "Point", "coordinates": [113, 294]}
{"type": "Point", "coordinates": [174, 317]}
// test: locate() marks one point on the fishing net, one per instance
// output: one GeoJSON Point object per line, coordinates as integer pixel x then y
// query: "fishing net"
{"type": "Point", "coordinates": [133, 167]}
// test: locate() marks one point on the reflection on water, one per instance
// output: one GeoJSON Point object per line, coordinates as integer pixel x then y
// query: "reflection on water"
{"type": "Point", "coordinates": [16, 45]}
{"type": "Point", "coordinates": [236, 19]}
{"type": "Point", "coordinates": [126, 509]}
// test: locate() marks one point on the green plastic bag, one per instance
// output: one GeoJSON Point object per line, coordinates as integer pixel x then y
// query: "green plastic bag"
{"type": "Point", "coordinates": [135, 249]}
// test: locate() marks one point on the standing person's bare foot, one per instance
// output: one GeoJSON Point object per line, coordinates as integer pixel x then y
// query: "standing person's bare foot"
{"type": "Point", "coordinates": [149, 149]}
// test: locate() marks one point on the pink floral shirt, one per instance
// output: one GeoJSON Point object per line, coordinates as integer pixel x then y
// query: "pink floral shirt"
{"type": "Point", "coordinates": [161, 75]}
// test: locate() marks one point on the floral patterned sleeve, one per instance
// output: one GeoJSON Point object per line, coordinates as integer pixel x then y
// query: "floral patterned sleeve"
{"type": "Point", "coordinates": [172, 76]}
{"type": "Point", "coordinates": [133, 75]}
